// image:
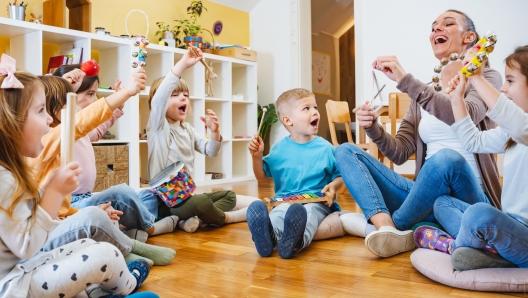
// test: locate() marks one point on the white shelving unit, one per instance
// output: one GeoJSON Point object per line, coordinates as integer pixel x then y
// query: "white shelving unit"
{"type": "Point", "coordinates": [238, 120]}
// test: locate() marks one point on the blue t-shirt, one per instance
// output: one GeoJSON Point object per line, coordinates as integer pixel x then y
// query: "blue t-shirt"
{"type": "Point", "coordinates": [301, 168]}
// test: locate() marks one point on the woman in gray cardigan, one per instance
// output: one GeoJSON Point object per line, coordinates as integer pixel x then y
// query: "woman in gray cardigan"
{"type": "Point", "coordinates": [392, 203]}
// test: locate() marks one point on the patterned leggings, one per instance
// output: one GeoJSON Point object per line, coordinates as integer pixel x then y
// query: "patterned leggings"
{"type": "Point", "coordinates": [97, 267]}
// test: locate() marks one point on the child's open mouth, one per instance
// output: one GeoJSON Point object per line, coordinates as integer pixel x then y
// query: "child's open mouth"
{"type": "Point", "coordinates": [183, 108]}
{"type": "Point", "coordinates": [314, 123]}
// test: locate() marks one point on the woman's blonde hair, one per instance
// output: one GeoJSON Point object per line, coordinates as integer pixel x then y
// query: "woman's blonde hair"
{"type": "Point", "coordinates": [14, 106]}
{"type": "Point", "coordinates": [56, 90]}
{"type": "Point", "coordinates": [180, 87]}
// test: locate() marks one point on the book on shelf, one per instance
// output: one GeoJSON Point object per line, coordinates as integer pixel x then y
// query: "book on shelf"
{"type": "Point", "coordinates": [74, 53]}
{"type": "Point", "coordinates": [56, 62]}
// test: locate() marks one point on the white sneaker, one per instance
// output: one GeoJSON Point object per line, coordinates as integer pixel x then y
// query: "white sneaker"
{"type": "Point", "coordinates": [354, 224]}
{"type": "Point", "coordinates": [388, 241]}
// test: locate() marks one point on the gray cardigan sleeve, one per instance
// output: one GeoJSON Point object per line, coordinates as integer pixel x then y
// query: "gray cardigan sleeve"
{"type": "Point", "coordinates": [439, 103]}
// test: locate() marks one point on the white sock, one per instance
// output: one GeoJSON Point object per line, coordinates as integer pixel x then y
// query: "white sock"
{"type": "Point", "coordinates": [166, 225]}
{"type": "Point", "coordinates": [243, 202]}
{"type": "Point", "coordinates": [354, 224]}
{"type": "Point", "coordinates": [236, 216]}
{"type": "Point", "coordinates": [189, 225]}
{"type": "Point", "coordinates": [139, 235]}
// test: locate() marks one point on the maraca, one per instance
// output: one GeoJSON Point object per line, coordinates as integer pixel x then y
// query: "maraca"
{"type": "Point", "coordinates": [90, 68]}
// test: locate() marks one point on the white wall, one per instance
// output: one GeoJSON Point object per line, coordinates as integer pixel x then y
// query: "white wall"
{"type": "Point", "coordinates": [278, 31]}
{"type": "Point", "coordinates": [401, 28]}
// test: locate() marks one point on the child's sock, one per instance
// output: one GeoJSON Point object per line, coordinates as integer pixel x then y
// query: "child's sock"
{"type": "Point", "coordinates": [166, 225]}
{"type": "Point", "coordinates": [131, 257]}
{"type": "Point", "coordinates": [138, 235]}
{"type": "Point", "coordinates": [236, 216]}
{"type": "Point", "coordinates": [159, 255]}
{"type": "Point", "coordinates": [189, 225]}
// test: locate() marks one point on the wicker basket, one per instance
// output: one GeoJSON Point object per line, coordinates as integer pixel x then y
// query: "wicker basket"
{"type": "Point", "coordinates": [111, 163]}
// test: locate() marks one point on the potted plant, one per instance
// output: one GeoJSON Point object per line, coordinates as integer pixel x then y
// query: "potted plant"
{"type": "Point", "coordinates": [189, 29]}
{"type": "Point", "coordinates": [269, 119]}
{"type": "Point", "coordinates": [164, 31]}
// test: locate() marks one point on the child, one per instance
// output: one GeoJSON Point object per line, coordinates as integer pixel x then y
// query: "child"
{"type": "Point", "coordinates": [89, 223]}
{"type": "Point", "coordinates": [171, 139]}
{"type": "Point", "coordinates": [481, 231]}
{"type": "Point", "coordinates": [136, 217]}
{"type": "Point", "coordinates": [300, 163]}
{"type": "Point", "coordinates": [28, 215]}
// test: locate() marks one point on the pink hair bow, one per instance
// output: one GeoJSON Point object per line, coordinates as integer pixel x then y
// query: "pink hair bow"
{"type": "Point", "coordinates": [7, 68]}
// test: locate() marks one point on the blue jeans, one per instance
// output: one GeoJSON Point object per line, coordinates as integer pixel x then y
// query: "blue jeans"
{"type": "Point", "coordinates": [377, 188]}
{"type": "Point", "coordinates": [481, 224]}
{"type": "Point", "coordinates": [151, 201]}
{"type": "Point", "coordinates": [123, 198]}
{"type": "Point", "coordinates": [316, 212]}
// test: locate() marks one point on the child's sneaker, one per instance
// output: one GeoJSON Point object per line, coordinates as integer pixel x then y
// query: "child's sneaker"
{"type": "Point", "coordinates": [261, 229]}
{"type": "Point", "coordinates": [140, 269]}
{"type": "Point", "coordinates": [433, 238]}
{"type": "Point", "coordinates": [135, 295]}
{"type": "Point", "coordinates": [389, 241]}
{"type": "Point", "coordinates": [294, 225]}
{"type": "Point", "coordinates": [468, 258]}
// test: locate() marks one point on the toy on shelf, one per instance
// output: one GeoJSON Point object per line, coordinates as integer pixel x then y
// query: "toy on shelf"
{"type": "Point", "coordinates": [300, 198]}
{"type": "Point", "coordinates": [174, 184]}
{"type": "Point", "coordinates": [209, 76]}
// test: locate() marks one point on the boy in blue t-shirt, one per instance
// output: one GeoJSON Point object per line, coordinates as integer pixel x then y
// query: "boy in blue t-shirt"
{"type": "Point", "coordinates": [300, 163]}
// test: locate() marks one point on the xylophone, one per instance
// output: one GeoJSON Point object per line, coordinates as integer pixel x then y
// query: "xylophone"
{"type": "Point", "coordinates": [300, 198]}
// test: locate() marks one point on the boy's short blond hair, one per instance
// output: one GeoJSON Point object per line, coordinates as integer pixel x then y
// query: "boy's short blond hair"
{"type": "Point", "coordinates": [282, 103]}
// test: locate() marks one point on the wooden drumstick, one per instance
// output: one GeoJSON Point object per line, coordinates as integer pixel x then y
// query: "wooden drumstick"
{"type": "Point", "coordinates": [264, 110]}
{"type": "Point", "coordinates": [195, 52]}
{"type": "Point", "coordinates": [68, 129]}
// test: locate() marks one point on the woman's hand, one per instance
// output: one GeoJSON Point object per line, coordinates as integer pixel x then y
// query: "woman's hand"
{"type": "Point", "coordinates": [390, 66]}
{"type": "Point", "coordinates": [366, 115]}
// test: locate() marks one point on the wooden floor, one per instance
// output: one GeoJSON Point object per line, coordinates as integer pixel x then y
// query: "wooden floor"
{"type": "Point", "coordinates": [223, 262]}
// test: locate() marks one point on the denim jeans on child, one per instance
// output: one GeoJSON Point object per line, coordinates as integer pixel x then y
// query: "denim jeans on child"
{"type": "Point", "coordinates": [135, 214]}
{"type": "Point", "coordinates": [316, 212]}
{"type": "Point", "coordinates": [377, 188]}
{"type": "Point", "coordinates": [480, 224]}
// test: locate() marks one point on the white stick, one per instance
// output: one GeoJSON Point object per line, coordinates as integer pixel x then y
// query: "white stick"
{"type": "Point", "coordinates": [68, 129]}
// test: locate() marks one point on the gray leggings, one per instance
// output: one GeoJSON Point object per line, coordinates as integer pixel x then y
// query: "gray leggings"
{"type": "Point", "coordinates": [98, 268]}
{"type": "Point", "coordinates": [89, 222]}
{"type": "Point", "coordinates": [209, 207]}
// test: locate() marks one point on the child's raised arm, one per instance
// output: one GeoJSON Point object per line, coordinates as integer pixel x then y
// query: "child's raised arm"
{"type": "Point", "coordinates": [256, 147]}
{"type": "Point", "coordinates": [136, 83]}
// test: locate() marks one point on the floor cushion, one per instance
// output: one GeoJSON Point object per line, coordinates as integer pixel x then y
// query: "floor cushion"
{"type": "Point", "coordinates": [437, 266]}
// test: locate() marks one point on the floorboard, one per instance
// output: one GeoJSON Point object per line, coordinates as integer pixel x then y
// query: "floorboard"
{"type": "Point", "coordinates": [223, 262]}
